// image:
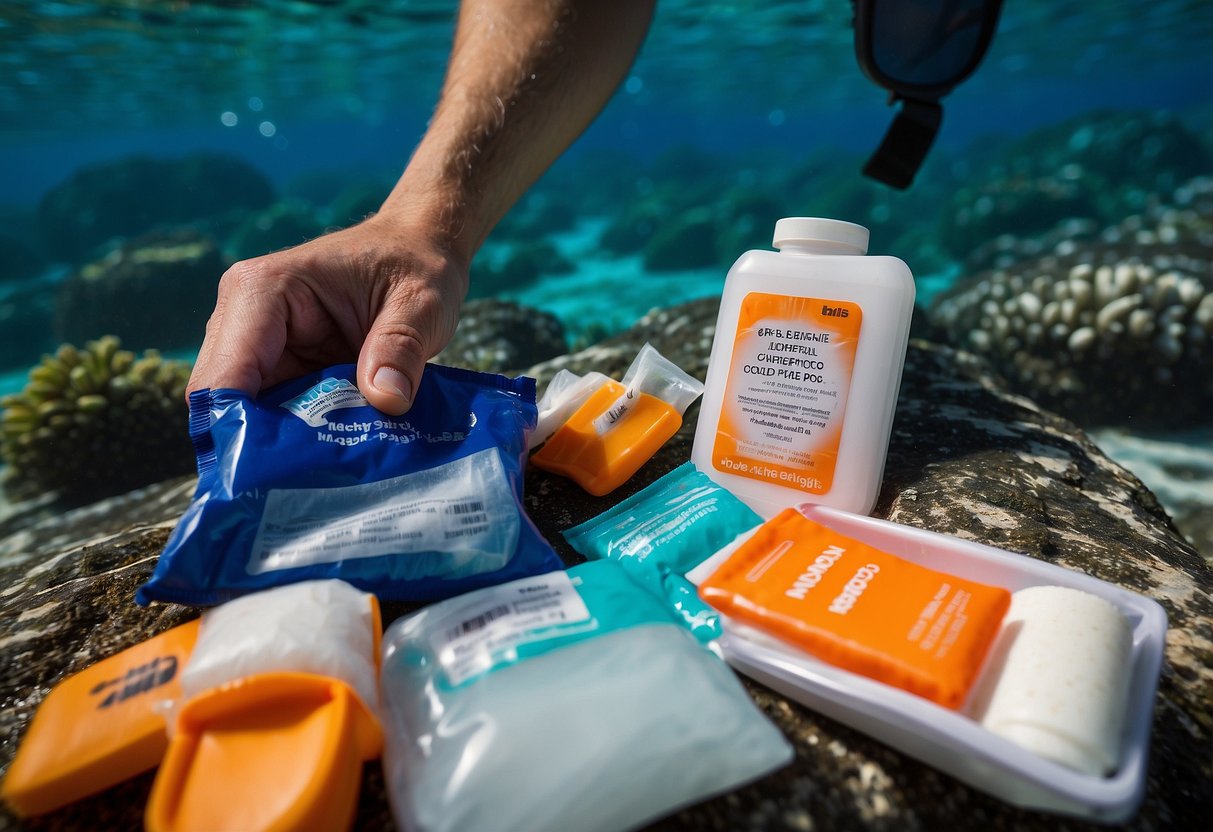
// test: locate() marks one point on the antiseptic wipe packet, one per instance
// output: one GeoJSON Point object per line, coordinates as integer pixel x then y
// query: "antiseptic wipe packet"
{"type": "Point", "coordinates": [662, 532]}
{"type": "Point", "coordinates": [571, 700]}
{"type": "Point", "coordinates": [309, 481]}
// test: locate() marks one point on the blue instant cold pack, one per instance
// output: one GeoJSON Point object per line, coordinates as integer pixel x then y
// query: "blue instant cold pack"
{"type": "Point", "coordinates": [309, 481]}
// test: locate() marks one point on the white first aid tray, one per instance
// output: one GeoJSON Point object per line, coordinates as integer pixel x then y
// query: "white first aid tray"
{"type": "Point", "coordinates": [949, 740]}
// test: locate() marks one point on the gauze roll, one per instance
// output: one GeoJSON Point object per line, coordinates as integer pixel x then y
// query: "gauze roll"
{"type": "Point", "coordinates": [1058, 679]}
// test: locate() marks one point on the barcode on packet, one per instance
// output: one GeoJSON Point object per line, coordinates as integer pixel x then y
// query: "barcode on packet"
{"type": "Point", "coordinates": [477, 622]}
{"type": "Point", "coordinates": [465, 508]}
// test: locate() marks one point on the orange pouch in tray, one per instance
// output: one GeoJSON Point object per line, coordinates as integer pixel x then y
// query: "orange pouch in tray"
{"type": "Point", "coordinates": [859, 608]}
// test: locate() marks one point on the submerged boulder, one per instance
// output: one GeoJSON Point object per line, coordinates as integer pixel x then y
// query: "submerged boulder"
{"type": "Point", "coordinates": [155, 291]}
{"type": "Point", "coordinates": [131, 196]}
{"type": "Point", "coordinates": [1100, 166]}
{"type": "Point", "coordinates": [967, 458]}
{"type": "Point", "coordinates": [497, 336]}
{"type": "Point", "coordinates": [1115, 330]}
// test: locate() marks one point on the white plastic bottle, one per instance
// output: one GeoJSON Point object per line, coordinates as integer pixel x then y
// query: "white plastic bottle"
{"type": "Point", "coordinates": [805, 368]}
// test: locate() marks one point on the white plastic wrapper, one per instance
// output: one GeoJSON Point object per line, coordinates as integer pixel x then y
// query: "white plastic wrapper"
{"type": "Point", "coordinates": [566, 392]}
{"type": "Point", "coordinates": [323, 627]}
{"type": "Point", "coordinates": [604, 733]}
{"type": "Point", "coordinates": [654, 374]}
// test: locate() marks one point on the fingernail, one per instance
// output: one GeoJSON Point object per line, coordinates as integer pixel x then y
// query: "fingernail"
{"type": "Point", "coordinates": [393, 382]}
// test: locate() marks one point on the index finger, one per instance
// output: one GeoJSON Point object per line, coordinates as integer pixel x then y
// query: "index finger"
{"type": "Point", "coordinates": [245, 335]}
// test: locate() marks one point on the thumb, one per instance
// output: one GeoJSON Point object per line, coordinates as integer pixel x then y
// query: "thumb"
{"type": "Point", "coordinates": [391, 362]}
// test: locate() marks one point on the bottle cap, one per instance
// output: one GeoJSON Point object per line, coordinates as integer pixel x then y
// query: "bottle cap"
{"type": "Point", "coordinates": [831, 236]}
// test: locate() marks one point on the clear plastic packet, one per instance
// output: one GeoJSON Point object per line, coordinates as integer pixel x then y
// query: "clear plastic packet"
{"type": "Point", "coordinates": [663, 531]}
{"type": "Point", "coordinates": [565, 393]}
{"type": "Point", "coordinates": [635, 720]}
{"type": "Point", "coordinates": [309, 481]}
{"type": "Point", "coordinates": [620, 426]}
{"type": "Point", "coordinates": [326, 628]}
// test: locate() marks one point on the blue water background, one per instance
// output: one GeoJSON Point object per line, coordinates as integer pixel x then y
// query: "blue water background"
{"type": "Point", "coordinates": [299, 88]}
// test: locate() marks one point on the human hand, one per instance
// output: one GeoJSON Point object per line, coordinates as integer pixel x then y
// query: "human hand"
{"type": "Point", "coordinates": [385, 295]}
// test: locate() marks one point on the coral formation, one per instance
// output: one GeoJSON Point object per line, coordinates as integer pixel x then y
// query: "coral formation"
{"type": "Point", "coordinates": [1098, 167]}
{"type": "Point", "coordinates": [1112, 331]}
{"type": "Point", "coordinates": [283, 224]}
{"type": "Point", "coordinates": [131, 196]}
{"type": "Point", "coordinates": [95, 422]}
{"type": "Point", "coordinates": [524, 264]}
{"type": "Point", "coordinates": [154, 291]}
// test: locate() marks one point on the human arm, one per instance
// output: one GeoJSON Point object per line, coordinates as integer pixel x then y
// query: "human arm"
{"type": "Point", "coordinates": [524, 80]}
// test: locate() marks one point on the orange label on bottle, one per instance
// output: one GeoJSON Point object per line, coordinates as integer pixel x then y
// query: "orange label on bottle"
{"type": "Point", "coordinates": [859, 608]}
{"type": "Point", "coordinates": [786, 394]}
{"type": "Point", "coordinates": [609, 438]}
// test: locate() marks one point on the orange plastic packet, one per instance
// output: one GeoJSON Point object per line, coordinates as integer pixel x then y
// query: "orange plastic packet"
{"type": "Point", "coordinates": [621, 425]}
{"type": "Point", "coordinates": [859, 608]}
{"type": "Point", "coordinates": [279, 714]}
{"type": "Point", "coordinates": [100, 726]}
{"type": "Point", "coordinates": [274, 751]}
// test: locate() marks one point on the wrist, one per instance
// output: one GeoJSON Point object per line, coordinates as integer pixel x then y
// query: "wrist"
{"type": "Point", "coordinates": [416, 212]}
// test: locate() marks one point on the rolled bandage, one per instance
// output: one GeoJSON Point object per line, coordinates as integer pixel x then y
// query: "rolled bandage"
{"type": "Point", "coordinates": [1059, 678]}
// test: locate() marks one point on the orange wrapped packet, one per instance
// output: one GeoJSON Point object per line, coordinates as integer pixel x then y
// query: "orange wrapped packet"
{"type": "Point", "coordinates": [859, 608]}
{"type": "Point", "coordinates": [620, 425]}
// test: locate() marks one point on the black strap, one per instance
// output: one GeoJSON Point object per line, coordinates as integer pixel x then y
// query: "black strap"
{"type": "Point", "coordinates": [905, 145]}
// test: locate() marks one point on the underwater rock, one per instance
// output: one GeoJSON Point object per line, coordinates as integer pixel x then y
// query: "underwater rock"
{"type": "Point", "coordinates": [684, 241]}
{"type": "Point", "coordinates": [282, 225]}
{"type": "Point", "coordinates": [1100, 167]}
{"type": "Point", "coordinates": [523, 265]}
{"type": "Point", "coordinates": [356, 202]}
{"type": "Point", "coordinates": [18, 260]}
{"type": "Point", "coordinates": [95, 422]}
{"type": "Point", "coordinates": [539, 213]}
{"type": "Point", "coordinates": [967, 458]}
{"type": "Point", "coordinates": [155, 291]}
{"type": "Point", "coordinates": [131, 196]}
{"type": "Point", "coordinates": [1178, 468]}
{"type": "Point", "coordinates": [1113, 331]}
{"type": "Point", "coordinates": [497, 336]}
{"type": "Point", "coordinates": [27, 316]}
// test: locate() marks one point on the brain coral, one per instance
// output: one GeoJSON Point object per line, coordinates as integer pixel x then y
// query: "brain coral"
{"type": "Point", "coordinates": [1110, 331]}
{"type": "Point", "coordinates": [95, 422]}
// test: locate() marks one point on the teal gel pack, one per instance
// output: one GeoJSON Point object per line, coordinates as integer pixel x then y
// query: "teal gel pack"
{"type": "Point", "coordinates": [662, 532]}
{"type": "Point", "coordinates": [570, 700]}
{"type": "Point", "coordinates": [308, 481]}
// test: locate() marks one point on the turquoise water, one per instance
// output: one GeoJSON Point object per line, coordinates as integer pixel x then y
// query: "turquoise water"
{"type": "Point", "coordinates": [1087, 123]}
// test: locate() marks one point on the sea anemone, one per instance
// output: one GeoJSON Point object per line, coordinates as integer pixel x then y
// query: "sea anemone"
{"type": "Point", "coordinates": [95, 422]}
